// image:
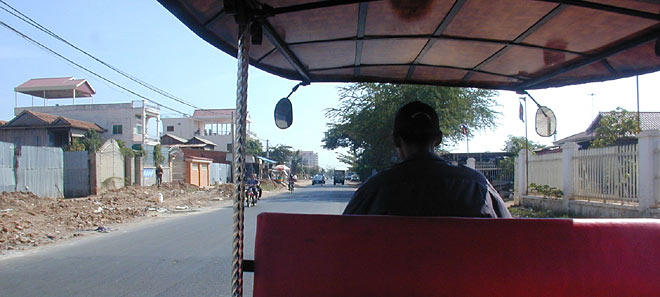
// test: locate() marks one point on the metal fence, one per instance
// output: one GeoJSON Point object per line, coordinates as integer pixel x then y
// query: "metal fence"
{"type": "Point", "coordinates": [609, 174]}
{"type": "Point", "coordinates": [495, 173]}
{"type": "Point", "coordinates": [7, 177]}
{"type": "Point", "coordinates": [41, 171]}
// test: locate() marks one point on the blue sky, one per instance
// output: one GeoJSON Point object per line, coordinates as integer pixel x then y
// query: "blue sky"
{"type": "Point", "coordinates": [145, 40]}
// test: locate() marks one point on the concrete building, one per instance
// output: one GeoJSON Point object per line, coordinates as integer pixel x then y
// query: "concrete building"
{"type": "Point", "coordinates": [128, 122]}
{"type": "Point", "coordinates": [310, 158]}
{"type": "Point", "coordinates": [214, 125]}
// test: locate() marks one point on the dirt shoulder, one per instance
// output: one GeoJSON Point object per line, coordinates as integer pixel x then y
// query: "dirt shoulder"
{"type": "Point", "coordinates": [28, 221]}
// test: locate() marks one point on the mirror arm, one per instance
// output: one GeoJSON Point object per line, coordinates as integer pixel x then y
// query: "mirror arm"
{"type": "Point", "coordinates": [302, 83]}
{"type": "Point", "coordinates": [537, 104]}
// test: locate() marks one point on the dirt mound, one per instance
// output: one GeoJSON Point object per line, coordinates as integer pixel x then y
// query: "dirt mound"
{"type": "Point", "coordinates": [29, 220]}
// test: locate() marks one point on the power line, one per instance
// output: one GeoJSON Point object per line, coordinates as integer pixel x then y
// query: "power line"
{"type": "Point", "coordinates": [85, 69]}
{"type": "Point", "coordinates": [33, 23]}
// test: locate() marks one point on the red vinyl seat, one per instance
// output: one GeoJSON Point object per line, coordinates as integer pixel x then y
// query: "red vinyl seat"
{"type": "Point", "coordinates": [332, 255]}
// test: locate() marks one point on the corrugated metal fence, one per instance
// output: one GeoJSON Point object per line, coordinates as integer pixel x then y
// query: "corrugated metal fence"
{"type": "Point", "coordinates": [76, 174]}
{"type": "Point", "coordinates": [7, 177]}
{"type": "Point", "coordinates": [41, 171]}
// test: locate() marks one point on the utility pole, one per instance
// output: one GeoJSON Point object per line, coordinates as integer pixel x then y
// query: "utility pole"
{"type": "Point", "coordinates": [267, 150]}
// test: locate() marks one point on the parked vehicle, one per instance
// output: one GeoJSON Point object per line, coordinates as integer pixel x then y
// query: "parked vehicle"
{"type": "Point", "coordinates": [339, 177]}
{"type": "Point", "coordinates": [318, 179]}
{"type": "Point", "coordinates": [355, 178]}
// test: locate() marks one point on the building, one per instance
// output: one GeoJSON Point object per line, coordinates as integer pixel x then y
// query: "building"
{"type": "Point", "coordinates": [128, 122]}
{"type": "Point", "coordinates": [212, 125]}
{"type": "Point", "coordinates": [40, 129]}
{"type": "Point", "coordinates": [647, 121]}
{"type": "Point", "coordinates": [310, 158]}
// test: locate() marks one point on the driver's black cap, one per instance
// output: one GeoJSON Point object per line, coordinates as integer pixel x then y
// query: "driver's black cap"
{"type": "Point", "coordinates": [416, 120]}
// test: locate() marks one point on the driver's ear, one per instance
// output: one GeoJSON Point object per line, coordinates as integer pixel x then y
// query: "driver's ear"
{"type": "Point", "coordinates": [438, 140]}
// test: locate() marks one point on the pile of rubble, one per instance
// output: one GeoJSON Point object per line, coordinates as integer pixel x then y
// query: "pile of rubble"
{"type": "Point", "coordinates": [28, 220]}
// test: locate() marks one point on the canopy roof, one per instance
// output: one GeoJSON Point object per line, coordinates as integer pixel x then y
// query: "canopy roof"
{"type": "Point", "coordinates": [56, 88]}
{"type": "Point", "coordinates": [504, 44]}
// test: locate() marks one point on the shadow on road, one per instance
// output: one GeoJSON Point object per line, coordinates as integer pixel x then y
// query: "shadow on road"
{"type": "Point", "coordinates": [323, 193]}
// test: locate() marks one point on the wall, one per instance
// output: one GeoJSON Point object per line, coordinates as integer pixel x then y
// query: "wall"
{"type": "Point", "coordinates": [589, 209]}
{"type": "Point", "coordinates": [7, 176]}
{"type": "Point", "coordinates": [41, 171]}
{"type": "Point", "coordinates": [219, 173]}
{"type": "Point", "coordinates": [26, 136]}
{"type": "Point", "coordinates": [105, 115]}
{"type": "Point", "coordinates": [110, 164]}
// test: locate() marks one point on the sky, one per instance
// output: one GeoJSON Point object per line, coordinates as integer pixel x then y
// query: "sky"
{"type": "Point", "coordinates": [142, 38]}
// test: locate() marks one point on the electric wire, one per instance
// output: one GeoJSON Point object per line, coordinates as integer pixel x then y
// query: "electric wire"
{"type": "Point", "coordinates": [85, 69]}
{"type": "Point", "coordinates": [35, 24]}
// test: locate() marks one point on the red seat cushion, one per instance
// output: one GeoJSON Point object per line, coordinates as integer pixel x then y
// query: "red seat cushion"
{"type": "Point", "coordinates": [328, 255]}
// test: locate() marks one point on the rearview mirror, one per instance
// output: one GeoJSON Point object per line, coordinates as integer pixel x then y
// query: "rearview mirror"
{"type": "Point", "coordinates": [546, 122]}
{"type": "Point", "coordinates": [283, 113]}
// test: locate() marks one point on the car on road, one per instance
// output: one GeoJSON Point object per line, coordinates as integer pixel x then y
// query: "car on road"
{"type": "Point", "coordinates": [355, 178]}
{"type": "Point", "coordinates": [318, 179]}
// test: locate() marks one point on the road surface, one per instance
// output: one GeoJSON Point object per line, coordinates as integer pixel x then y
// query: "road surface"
{"type": "Point", "coordinates": [187, 255]}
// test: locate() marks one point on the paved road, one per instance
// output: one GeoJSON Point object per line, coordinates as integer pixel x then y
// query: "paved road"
{"type": "Point", "coordinates": [188, 255]}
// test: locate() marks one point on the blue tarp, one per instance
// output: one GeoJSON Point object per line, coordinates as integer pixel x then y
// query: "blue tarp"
{"type": "Point", "coordinates": [266, 159]}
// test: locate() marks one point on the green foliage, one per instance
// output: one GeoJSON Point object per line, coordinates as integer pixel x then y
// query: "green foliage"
{"type": "Point", "coordinates": [363, 120]}
{"type": "Point", "coordinates": [281, 153]}
{"type": "Point", "coordinates": [158, 155]}
{"type": "Point", "coordinates": [618, 124]}
{"type": "Point", "coordinates": [546, 191]}
{"type": "Point", "coordinates": [296, 160]}
{"type": "Point", "coordinates": [127, 152]}
{"type": "Point", "coordinates": [514, 144]}
{"type": "Point", "coordinates": [91, 141]}
{"type": "Point", "coordinates": [254, 147]}
{"type": "Point", "coordinates": [524, 212]}
{"type": "Point", "coordinates": [76, 146]}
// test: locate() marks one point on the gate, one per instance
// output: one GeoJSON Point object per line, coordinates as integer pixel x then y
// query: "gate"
{"type": "Point", "coordinates": [76, 174]}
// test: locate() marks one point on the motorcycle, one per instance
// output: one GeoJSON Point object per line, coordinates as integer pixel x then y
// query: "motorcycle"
{"type": "Point", "coordinates": [291, 186]}
{"type": "Point", "coordinates": [251, 195]}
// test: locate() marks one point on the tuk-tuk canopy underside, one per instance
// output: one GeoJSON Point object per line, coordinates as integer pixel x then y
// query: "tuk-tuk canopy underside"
{"type": "Point", "coordinates": [504, 44]}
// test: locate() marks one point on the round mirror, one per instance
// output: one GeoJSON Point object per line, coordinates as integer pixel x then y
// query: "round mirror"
{"type": "Point", "coordinates": [546, 122]}
{"type": "Point", "coordinates": [283, 114]}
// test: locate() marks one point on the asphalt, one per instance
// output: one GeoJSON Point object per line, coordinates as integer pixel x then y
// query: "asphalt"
{"type": "Point", "coordinates": [185, 255]}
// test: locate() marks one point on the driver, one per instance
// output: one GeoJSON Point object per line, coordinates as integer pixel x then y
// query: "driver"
{"type": "Point", "coordinates": [422, 184]}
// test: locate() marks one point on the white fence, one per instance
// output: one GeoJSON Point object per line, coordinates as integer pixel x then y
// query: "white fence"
{"type": "Point", "coordinates": [546, 170]}
{"type": "Point", "coordinates": [607, 174]}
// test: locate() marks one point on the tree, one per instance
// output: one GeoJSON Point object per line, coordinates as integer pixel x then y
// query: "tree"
{"type": "Point", "coordinates": [91, 141]}
{"type": "Point", "coordinates": [514, 144]}
{"type": "Point", "coordinates": [158, 155]}
{"type": "Point", "coordinates": [76, 146]}
{"type": "Point", "coordinates": [254, 147]}
{"type": "Point", "coordinates": [618, 124]}
{"type": "Point", "coordinates": [296, 160]}
{"type": "Point", "coordinates": [281, 153]}
{"type": "Point", "coordinates": [363, 120]}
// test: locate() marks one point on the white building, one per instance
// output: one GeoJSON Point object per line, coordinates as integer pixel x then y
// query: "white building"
{"type": "Point", "coordinates": [128, 122]}
{"type": "Point", "coordinates": [310, 158]}
{"type": "Point", "coordinates": [214, 125]}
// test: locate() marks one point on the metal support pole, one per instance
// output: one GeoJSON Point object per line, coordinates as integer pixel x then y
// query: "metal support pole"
{"type": "Point", "coordinates": [526, 154]}
{"type": "Point", "coordinates": [238, 154]}
{"type": "Point", "coordinates": [639, 126]}
{"type": "Point", "coordinates": [15, 99]}
{"type": "Point", "coordinates": [74, 96]}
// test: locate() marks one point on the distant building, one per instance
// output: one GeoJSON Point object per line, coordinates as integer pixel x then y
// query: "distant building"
{"type": "Point", "coordinates": [310, 158]}
{"type": "Point", "coordinates": [212, 125]}
{"type": "Point", "coordinates": [128, 122]}
{"type": "Point", "coordinates": [647, 121]}
{"type": "Point", "coordinates": [40, 129]}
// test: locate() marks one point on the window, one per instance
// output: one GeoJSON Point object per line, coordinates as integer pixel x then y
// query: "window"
{"type": "Point", "coordinates": [138, 129]}
{"type": "Point", "coordinates": [229, 147]}
{"type": "Point", "coordinates": [117, 129]}
{"type": "Point", "coordinates": [170, 128]}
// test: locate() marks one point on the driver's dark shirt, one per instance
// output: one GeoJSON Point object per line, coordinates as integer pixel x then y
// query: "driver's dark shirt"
{"type": "Point", "coordinates": [426, 185]}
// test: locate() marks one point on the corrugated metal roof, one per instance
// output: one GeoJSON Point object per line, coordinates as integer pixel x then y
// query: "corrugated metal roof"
{"type": "Point", "coordinates": [202, 140]}
{"type": "Point", "coordinates": [49, 120]}
{"type": "Point", "coordinates": [56, 88]}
